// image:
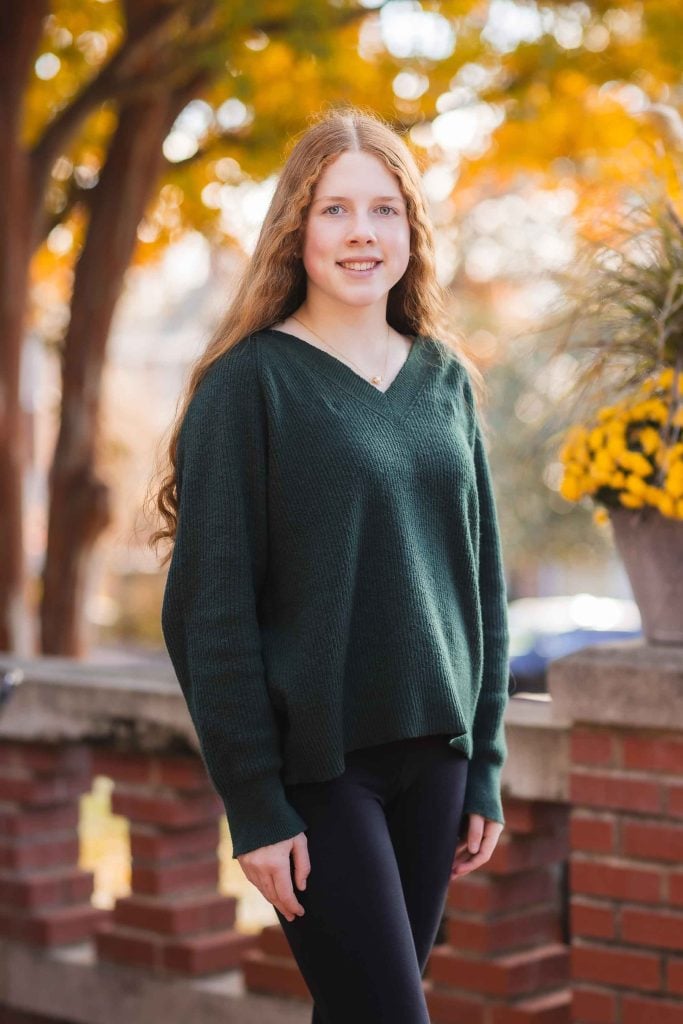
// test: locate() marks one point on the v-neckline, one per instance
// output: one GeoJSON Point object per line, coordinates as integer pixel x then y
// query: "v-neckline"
{"type": "Point", "coordinates": [398, 398]}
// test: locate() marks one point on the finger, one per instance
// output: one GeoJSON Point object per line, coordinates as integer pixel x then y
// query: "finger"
{"type": "Point", "coordinates": [268, 891]}
{"type": "Point", "coordinates": [470, 862]}
{"type": "Point", "coordinates": [302, 862]}
{"type": "Point", "coordinates": [282, 881]}
{"type": "Point", "coordinates": [475, 832]}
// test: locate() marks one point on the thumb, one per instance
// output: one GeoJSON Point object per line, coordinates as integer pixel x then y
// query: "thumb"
{"type": "Point", "coordinates": [475, 833]}
{"type": "Point", "coordinates": [302, 863]}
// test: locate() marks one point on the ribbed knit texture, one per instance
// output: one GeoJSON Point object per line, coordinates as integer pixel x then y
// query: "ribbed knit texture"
{"type": "Point", "coordinates": [336, 580]}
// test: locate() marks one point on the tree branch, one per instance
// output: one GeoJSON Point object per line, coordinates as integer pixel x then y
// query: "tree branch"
{"type": "Point", "coordinates": [101, 87]}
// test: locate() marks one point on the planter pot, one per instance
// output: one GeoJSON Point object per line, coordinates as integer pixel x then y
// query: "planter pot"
{"type": "Point", "coordinates": [651, 547]}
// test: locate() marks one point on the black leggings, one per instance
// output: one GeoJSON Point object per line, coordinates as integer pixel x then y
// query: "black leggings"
{"type": "Point", "coordinates": [381, 841]}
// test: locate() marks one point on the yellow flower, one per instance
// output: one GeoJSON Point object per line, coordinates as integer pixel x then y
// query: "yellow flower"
{"type": "Point", "coordinates": [666, 504]}
{"type": "Point", "coordinates": [666, 377]}
{"type": "Point", "coordinates": [570, 488]}
{"type": "Point", "coordinates": [674, 480]}
{"type": "Point", "coordinates": [615, 445]}
{"type": "Point", "coordinates": [600, 515]}
{"type": "Point", "coordinates": [631, 500]}
{"type": "Point", "coordinates": [595, 438]}
{"type": "Point", "coordinates": [640, 465]}
{"type": "Point", "coordinates": [650, 439]}
{"type": "Point", "coordinates": [636, 484]}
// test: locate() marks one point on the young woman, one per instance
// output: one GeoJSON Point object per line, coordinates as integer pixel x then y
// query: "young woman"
{"type": "Point", "coordinates": [335, 606]}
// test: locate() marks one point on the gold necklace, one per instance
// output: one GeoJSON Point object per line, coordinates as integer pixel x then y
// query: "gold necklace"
{"type": "Point", "coordinates": [377, 379]}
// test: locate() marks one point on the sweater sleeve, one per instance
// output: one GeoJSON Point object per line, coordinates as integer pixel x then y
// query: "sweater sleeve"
{"type": "Point", "coordinates": [209, 612]}
{"type": "Point", "coordinates": [482, 794]}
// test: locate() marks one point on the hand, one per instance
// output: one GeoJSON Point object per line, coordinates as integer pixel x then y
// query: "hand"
{"type": "Point", "coordinates": [268, 868]}
{"type": "Point", "coordinates": [475, 850]}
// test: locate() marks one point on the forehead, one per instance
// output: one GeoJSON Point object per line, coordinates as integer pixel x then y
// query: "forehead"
{"type": "Point", "coordinates": [360, 175]}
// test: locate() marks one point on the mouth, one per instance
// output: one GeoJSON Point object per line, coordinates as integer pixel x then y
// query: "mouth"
{"type": "Point", "coordinates": [359, 268]}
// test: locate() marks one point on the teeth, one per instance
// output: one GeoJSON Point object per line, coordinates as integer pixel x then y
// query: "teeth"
{"type": "Point", "coordinates": [360, 266]}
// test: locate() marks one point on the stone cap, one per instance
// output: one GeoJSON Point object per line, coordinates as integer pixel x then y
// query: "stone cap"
{"type": "Point", "coordinates": [627, 682]}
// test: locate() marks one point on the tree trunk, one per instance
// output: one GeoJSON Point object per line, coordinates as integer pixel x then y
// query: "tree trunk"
{"type": "Point", "coordinates": [79, 500]}
{"type": "Point", "coordinates": [18, 42]}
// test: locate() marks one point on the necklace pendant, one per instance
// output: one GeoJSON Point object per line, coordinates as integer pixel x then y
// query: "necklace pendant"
{"type": "Point", "coordinates": [375, 380]}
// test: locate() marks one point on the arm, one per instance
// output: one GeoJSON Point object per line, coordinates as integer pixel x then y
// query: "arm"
{"type": "Point", "coordinates": [482, 794]}
{"type": "Point", "coordinates": [209, 613]}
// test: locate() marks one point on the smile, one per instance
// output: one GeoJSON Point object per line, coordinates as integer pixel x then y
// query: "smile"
{"type": "Point", "coordinates": [360, 266]}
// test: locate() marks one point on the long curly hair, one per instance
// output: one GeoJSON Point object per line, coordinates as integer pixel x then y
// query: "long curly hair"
{"type": "Point", "coordinates": [273, 283]}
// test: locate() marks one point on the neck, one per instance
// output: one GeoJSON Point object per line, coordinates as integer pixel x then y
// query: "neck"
{"type": "Point", "coordinates": [361, 331]}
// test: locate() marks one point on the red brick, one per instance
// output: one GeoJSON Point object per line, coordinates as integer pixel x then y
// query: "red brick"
{"type": "Point", "coordinates": [207, 954]}
{"type": "Point", "coordinates": [272, 975]}
{"type": "Point", "coordinates": [43, 854]}
{"type": "Point", "coordinates": [174, 811]}
{"type": "Point", "coordinates": [593, 1005]}
{"type": "Point", "coordinates": [54, 926]}
{"type": "Point", "coordinates": [521, 852]}
{"type": "Point", "coordinates": [155, 881]}
{"type": "Point", "coordinates": [592, 832]}
{"type": "Point", "coordinates": [41, 791]}
{"type": "Point", "coordinates": [593, 746]}
{"type": "Point", "coordinates": [511, 975]}
{"type": "Point", "coordinates": [616, 880]}
{"type": "Point", "coordinates": [674, 974]}
{"type": "Point", "coordinates": [182, 916]}
{"type": "Point", "coordinates": [183, 773]}
{"type": "Point", "coordinates": [127, 946]}
{"type": "Point", "coordinates": [525, 816]}
{"type": "Point", "coordinates": [273, 940]}
{"type": "Point", "coordinates": [63, 886]}
{"type": "Point", "coordinates": [618, 790]}
{"type": "Point", "coordinates": [676, 888]}
{"type": "Point", "coordinates": [617, 967]}
{"type": "Point", "coordinates": [447, 1007]}
{"type": "Point", "coordinates": [122, 766]}
{"type": "Point", "coordinates": [488, 894]}
{"type": "Point", "coordinates": [652, 840]}
{"type": "Point", "coordinates": [154, 844]}
{"type": "Point", "coordinates": [674, 800]}
{"type": "Point", "coordinates": [660, 928]}
{"type": "Point", "coordinates": [637, 1010]}
{"type": "Point", "coordinates": [47, 758]}
{"type": "Point", "coordinates": [596, 920]}
{"type": "Point", "coordinates": [540, 925]}
{"type": "Point", "coordinates": [654, 753]}
{"type": "Point", "coordinates": [23, 821]}
{"type": "Point", "coordinates": [547, 1008]}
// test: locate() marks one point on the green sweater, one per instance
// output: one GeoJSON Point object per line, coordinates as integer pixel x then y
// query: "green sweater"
{"type": "Point", "coordinates": [336, 580]}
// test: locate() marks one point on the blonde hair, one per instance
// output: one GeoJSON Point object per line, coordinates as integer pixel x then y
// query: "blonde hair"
{"type": "Point", "coordinates": [273, 283]}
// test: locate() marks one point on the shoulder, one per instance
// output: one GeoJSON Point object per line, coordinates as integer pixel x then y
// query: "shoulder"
{"type": "Point", "coordinates": [229, 390]}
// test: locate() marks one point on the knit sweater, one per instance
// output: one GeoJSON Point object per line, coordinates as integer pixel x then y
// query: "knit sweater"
{"type": "Point", "coordinates": [336, 580]}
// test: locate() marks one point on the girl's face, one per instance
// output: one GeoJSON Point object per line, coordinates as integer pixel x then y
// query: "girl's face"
{"type": "Point", "coordinates": [358, 215]}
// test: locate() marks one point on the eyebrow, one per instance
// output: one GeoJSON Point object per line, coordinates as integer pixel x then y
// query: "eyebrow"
{"type": "Point", "coordinates": [377, 199]}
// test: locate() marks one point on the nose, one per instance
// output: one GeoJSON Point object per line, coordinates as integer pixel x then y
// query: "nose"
{"type": "Point", "coordinates": [360, 229]}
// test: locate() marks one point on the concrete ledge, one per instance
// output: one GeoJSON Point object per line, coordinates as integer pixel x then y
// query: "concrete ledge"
{"type": "Point", "coordinates": [71, 982]}
{"type": "Point", "coordinates": [628, 683]}
{"type": "Point", "coordinates": [537, 765]}
{"type": "Point", "coordinates": [67, 699]}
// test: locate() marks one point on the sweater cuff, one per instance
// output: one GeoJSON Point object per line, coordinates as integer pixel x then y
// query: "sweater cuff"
{"type": "Point", "coordinates": [482, 792]}
{"type": "Point", "coordinates": [259, 814]}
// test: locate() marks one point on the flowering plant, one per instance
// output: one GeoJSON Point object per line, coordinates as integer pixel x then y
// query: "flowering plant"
{"type": "Point", "coordinates": [632, 455]}
{"type": "Point", "coordinates": [629, 309]}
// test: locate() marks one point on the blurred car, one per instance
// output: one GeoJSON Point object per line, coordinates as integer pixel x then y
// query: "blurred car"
{"type": "Point", "coordinates": [545, 628]}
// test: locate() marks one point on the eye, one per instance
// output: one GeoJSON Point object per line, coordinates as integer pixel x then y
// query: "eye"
{"type": "Point", "coordinates": [335, 206]}
{"type": "Point", "coordinates": [393, 209]}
